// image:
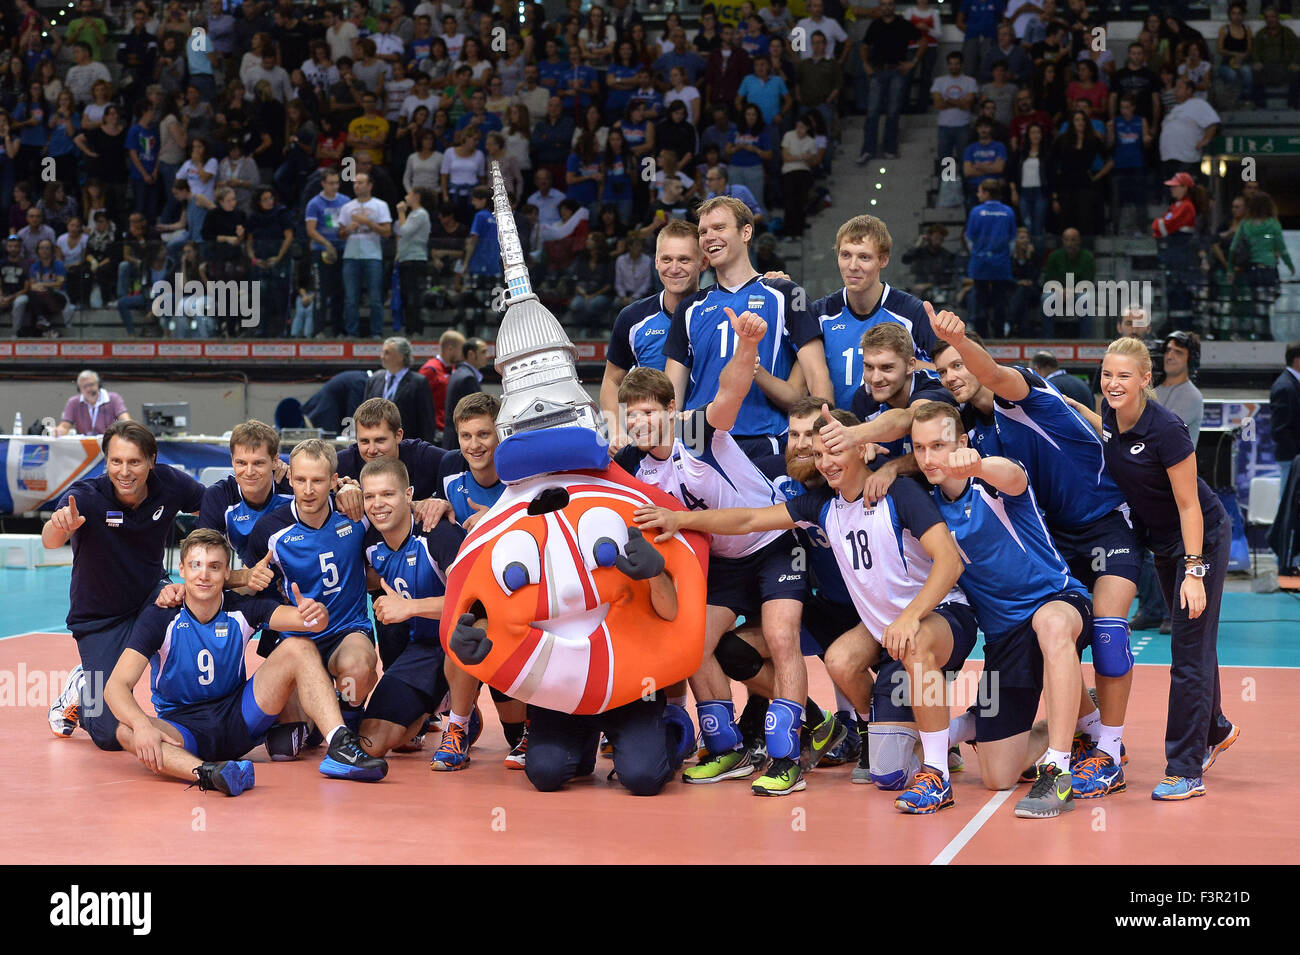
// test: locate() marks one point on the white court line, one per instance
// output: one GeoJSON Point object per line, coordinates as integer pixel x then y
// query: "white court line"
{"type": "Point", "coordinates": [968, 831]}
{"type": "Point", "coordinates": [60, 629]}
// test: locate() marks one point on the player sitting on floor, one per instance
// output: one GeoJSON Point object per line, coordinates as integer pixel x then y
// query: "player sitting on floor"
{"type": "Point", "coordinates": [756, 575]}
{"type": "Point", "coordinates": [412, 567]}
{"type": "Point", "coordinates": [1032, 612]}
{"type": "Point", "coordinates": [901, 566]}
{"type": "Point", "coordinates": [209, 712]}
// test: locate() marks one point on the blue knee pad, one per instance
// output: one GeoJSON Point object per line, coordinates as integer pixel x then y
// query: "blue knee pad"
{"type": "Point", "coordinates": [718, 724]}
{"type": "Point", "coordinates": [681, 733]}
{"type": "Point", "coordinates": [781, 729]}
{"type": "Point", "coordinates": [1111, 654]}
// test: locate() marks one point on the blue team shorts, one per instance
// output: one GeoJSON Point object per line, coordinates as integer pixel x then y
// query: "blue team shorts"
{"type": "Point", "coordinates": [222, 729]}
{"type": "Point", "coordinates": [413, 686]}
{"type": "Point", "coordinates": [888, 706]}
{"type": "Point", "coordinates": [744, 584]}
{"type": "Point", "coordinates": [1107, 547]}
{"type": "Point", "coordinates": [1008, 706]}
{"type": "Point", "coordinates": [824, 622]}
{"type": "Point", "coordinates": [761, 446]}
{"type": "Point", "coordinates": [327, 643]}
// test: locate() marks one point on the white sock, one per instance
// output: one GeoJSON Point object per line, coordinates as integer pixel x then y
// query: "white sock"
{"type": "Point", "coordinates": [962, 729]}
{"type": "Point", "coordinates": [678, 700]}
{"type": "Point", "coordinates": [1090, 724]}
{"type": "Point", "coordinates": [842, 703]}
{"type": "Point", "coordinates": [329, 737]}
{"type": "Point", "coordinates": [1058, 758]}
{"type": "Point", "coordinates": [454, 717]}
{"type": "Point", "coordinates": [1109, 740]}
{"type": "Point", "coordinates": [935, 748]}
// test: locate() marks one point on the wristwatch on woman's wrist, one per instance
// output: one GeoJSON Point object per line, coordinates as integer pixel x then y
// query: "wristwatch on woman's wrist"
{"type": "Point", "coordinates": [1194, 565]}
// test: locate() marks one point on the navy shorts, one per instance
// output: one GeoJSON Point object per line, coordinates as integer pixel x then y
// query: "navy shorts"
{"type": "Point", "coordinates": [99, 644]}
{"type": "Point", "coordinates": [890, 695]}
{"type": "Point", "coordinates": [824, 622]}
{"type": "Point", "coordinates": [327, 643]}
{"type": "Point", "coordinates": [413, 686]}
{"type": "Point", "coordinates": [744, 584]}
{"type": "Point", "coordinates": [222, 729]}
{"type": "Point", "coordinates": [1008, 705]}
{"type": "Point", "coordinates": [761, 446]}
{"type": "Point", "coordinates": [1107, 547]}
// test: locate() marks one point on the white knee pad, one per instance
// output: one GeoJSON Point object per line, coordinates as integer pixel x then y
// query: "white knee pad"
{"type": "Point", "coordinates": [892, 750]}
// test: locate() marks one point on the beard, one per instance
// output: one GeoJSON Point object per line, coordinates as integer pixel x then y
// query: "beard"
{"type": "Point", "coordinates": [804, 471]}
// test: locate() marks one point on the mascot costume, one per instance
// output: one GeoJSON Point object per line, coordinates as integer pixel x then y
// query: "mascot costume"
{"type": "Point", "coordinates": [555, 598]}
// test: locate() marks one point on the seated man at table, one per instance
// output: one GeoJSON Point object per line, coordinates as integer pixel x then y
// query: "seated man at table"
{"type": "Point", "coordinates": [92, 409]}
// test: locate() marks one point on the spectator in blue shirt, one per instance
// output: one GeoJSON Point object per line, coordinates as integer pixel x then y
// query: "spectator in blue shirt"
{"type": "Point", "coordinates": [978, 20]}
{"type": "Point", "coordinates": [142, 142]}
{"type": "Point", "coordinates": [986, 158]}
{"type": "Point", "coordinates": [990, 231]}
{"type": "Point", "coordinates": [680, 56]}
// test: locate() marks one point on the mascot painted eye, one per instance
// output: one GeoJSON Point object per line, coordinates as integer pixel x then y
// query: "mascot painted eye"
{"type": "Point", "coordinates": [602, 536]}
{"type": "Point", "coordinates": [569, 630]}
{"type": "Point", "coordinates": [517, 562]}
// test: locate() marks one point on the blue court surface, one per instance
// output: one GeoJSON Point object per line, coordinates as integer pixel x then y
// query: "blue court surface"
{"type": "Point", "coordinates": [1260, 630]}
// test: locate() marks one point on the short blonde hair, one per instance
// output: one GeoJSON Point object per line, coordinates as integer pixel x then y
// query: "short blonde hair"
{"type": "Point", "coordinates": [318, 449]}
{"type": "Point", "coordinates": [733, 205]}
{"type": "Point", "coordinates": [864, 228]}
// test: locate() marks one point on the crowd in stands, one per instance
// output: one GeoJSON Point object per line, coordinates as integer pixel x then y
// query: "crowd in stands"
{"type": "Point", "coordinates": [339, 154]}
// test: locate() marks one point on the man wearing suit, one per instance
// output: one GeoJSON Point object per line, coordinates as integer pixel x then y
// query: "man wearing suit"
{"type": "Point", "coordinates": [405, 388]}
{"type": "Point", "coordinates": [1045, 363]}
{"type": "Point", "coordinates": [465, 380]}
{"type": "Point", "coordinates": [1284, 406]}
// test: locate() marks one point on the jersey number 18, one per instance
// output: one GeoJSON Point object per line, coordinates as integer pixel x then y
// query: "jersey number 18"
{"type": "Point", "coordinates": [858, 546]}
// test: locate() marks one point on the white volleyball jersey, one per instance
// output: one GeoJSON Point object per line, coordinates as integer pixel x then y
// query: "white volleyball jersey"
{"type": "Point", "coordinates": [878, 548]}
{"type": "Point", "coordinates": [707, 471]}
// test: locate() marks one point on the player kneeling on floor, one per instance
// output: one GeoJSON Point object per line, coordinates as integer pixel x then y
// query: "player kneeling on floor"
{"type": "Point", "coordinates": [209, 712]}
{"type": "Point", "coordinates": [1034, 615]}
{"type": "Point", "coordinates": [412, 567]}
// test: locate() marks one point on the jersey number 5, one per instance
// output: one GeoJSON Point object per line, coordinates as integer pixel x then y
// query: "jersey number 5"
{"type": "Point", "coordinates": [858, 546]}
{"type": "Point", "coordinates": [329, 573]}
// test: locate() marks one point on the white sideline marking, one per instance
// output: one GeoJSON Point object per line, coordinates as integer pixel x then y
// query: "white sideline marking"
{"type": "Point", "coordinates": [968, 831]}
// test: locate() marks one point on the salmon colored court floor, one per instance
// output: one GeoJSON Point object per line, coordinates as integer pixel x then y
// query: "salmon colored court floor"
{"type": "Point", "coordinates": [66, 802]}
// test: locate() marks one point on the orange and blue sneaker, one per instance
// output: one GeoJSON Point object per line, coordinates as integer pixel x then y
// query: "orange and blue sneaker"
{"type": "Point", "coordinates": [1097, 775]}
{"type": "Point", "coordinates": [930, 792]}
{"type": "Point", "coordinates": [1175, 788]}
{"type": "Point", "coordinates": [1213, 752]}
{"type": "Point", "coordinates": [1051, 794]}
{"type": "Point", "coordinates": [517, 756]}
{"type": "Point", "coordinates": [453, 752]}
{"type": "Point", "coordinates": [65, 711]}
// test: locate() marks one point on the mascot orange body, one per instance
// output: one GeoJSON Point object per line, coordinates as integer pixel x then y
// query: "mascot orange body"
{"type": "Point", "coordinates": [567, 629]}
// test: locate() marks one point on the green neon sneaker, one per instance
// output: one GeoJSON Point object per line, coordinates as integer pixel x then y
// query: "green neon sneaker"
{"type": "Point", "coordinates": [735, 764]}
{"type": "Point", "coordinates": [1051, 794]}
{"type": "Point", "coordinates": [782, 778]}
{"type": "Point", "coordinates": [825, 736]}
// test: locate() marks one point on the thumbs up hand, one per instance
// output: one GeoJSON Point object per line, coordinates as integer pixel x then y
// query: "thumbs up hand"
{"type": "Point", "coordinates": [260, 575]}
{"type": "Point", "coordinates": [392, 607]}
{"type": "Point", "coordinates": [314, 615]}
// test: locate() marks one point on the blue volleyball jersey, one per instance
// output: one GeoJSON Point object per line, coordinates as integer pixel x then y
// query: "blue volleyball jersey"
{"type": "Point", "coordinates": [457, 485]}
{"type": "Point", "coordinates": [1061, 452]}
{"type": "Point", "coordinates": [982, 430]}
{"type": "Point", "coordinates": [196, 662]}
{"type": "Point", "coordinates": [225, 509]}
{"type": "Point", "coordinates": [421, 458]}
{"type": "Point", "coordinates": [842, 330]}
{"type": "Point", "coordinates": [327, 563]}
{"type": "Point", "coordinates": [1011, 566]}
{"type": "Point", "coordinates": [867, 408]}
{"type": "Point", "coordinates": [702, 339]}
{"type": "Point", "coordinates": [418, 568]}
{"type": "Point", "coordinates": [639, 335]}
{"type": "Point", "coordinates": [821, 557]}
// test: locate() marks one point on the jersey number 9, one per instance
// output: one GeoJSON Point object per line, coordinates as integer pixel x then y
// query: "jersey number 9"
{"type": "Point", "coordinates": [207, 667]}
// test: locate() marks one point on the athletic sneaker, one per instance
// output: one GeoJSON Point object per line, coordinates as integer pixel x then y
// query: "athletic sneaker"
{"type": "Point", "coordinates": [930, 792]}
{"type": "Point", "coordinates": [757, 751]}
{"type": "Point", "coordinates": [782, 778]}
{"type": "Point", "coordinates": [285, 740]}
{"type": "Point", "coordinates": [453, 751]}
{"type": "Point", "coordinates": [1096, 776]}
{"type": "Point", "coordinates": [606, 747]}
{"type": "Point", "coordinates": [955, 761]}
{"type": "Point", "coordinates": [824, 737]}
{"type": "Point", "coordinates": [1175, 788]}
{"type": "Point", "coordinates": [231, 777]}
{"type": "Point", "coordinates": [475, 727]}
{"type": "Point", "coordinates": [412, 745]}
{"type": "Point", "coordinates": [734, 764]}
{"type": "Point", "coordinates": [862, 771]}
{"type": "Point", "coordinates": [345, 759]}
{"type": "Point", "coordinates": [1213, 752]}
{"type": "Point", "coordinates": [1051, 794]}
{"type": "Point", "coordinates": [64, 712]}
{"type": "Point", "coordinates": [1080, 749]}
{"type": "Point", "coordinates": [848, 749]}
{"type": "Point", "coordinates": [515, 759]}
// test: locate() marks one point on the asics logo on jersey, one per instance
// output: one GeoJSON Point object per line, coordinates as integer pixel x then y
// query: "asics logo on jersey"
{"type": "Point", "coordinates": [158, 513]}
{"type": "Point", "coordinates": [706, 311]}
{"type": "Point", "coordinates": [1137, 448]}
{"type": "Point", "coordinates": [1118, 550]}
{"type": "Point", "coordinates": [784, 577]}
{"type": "Point", "coordinates": [295, 538]}
{"type": "Point", "coordinates": [242, 517]}
{"type": "Point", "coordinates": [839, 328]}
{"type": "Point", "coordinates": [182, 624]}
{"type": "Point", "coordinates": [656, 331]}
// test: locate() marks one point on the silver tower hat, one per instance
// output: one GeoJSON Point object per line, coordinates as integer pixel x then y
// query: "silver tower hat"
{"type": "Point", "coordinates": [539, 377]}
